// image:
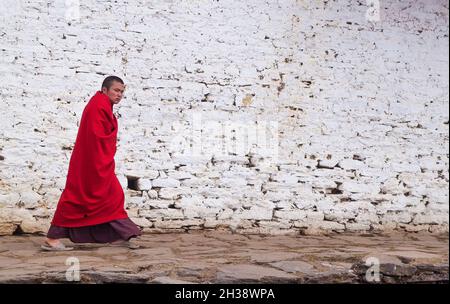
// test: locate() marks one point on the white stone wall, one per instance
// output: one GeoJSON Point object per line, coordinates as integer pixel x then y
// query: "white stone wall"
{"type": "Point", "coordinates": [348, 103]}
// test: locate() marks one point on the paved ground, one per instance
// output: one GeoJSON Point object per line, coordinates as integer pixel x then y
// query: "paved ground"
{"type": "Point", "coordinates": [219, 257]}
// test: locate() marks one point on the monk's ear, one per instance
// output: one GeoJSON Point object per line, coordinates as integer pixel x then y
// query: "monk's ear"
{"type": "Point", "coordinates": [104, 90]}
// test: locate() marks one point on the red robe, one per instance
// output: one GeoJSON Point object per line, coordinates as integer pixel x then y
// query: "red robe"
{"type": "Point", "coordinates": [93, 194]}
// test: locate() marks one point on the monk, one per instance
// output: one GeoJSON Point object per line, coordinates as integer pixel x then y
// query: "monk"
{"type": "Point", "coordinates": [91, 207]}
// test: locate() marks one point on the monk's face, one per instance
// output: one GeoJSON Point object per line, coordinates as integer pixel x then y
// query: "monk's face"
{"type": "Point", "coordinates": [115, 92]}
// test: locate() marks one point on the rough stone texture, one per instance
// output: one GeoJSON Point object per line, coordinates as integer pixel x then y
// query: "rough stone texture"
{"type": "Point", "coordinates": [215, 257]}
{"type": "Point", "coordinates": [356, 109]}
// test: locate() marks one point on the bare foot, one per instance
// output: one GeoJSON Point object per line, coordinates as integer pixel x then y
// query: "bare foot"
{"type": "Point", "coordinates": [53, 242]}
{"type": "Point", "coordinates": [129, 244]}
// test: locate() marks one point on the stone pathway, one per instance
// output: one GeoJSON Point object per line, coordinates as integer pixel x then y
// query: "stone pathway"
{"type": "Point", "coordinates": [219, 257]}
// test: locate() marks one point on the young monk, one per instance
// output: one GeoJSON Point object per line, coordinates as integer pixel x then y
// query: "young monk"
{"type": "Point", "coordinates": [91, 207]}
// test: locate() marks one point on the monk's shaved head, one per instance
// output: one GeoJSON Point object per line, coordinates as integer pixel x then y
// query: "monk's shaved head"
{"type": "Point", "coordinates": [107, 83]}
{"type": "Point", "coordinates": [114, 88]}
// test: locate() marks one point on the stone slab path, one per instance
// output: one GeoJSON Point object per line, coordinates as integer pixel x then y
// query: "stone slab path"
{"type": "Point", "coordinates": [219, 257]}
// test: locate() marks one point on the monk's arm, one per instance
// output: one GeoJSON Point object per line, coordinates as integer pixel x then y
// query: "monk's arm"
{"type": "Point", "coordinates": [101, 124]}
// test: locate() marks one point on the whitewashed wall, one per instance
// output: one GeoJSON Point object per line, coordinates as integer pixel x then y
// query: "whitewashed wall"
{"type": "Point", "coordinates": [350, 109]}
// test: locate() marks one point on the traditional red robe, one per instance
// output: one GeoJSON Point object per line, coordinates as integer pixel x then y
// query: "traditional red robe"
{"type": "Point", "coordinates": [92, 194]}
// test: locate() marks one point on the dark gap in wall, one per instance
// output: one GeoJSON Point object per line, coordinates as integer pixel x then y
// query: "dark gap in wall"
{"type": "Point", "coordinates": [335, 191]}
{"type": "Point", "coordinates": [18, 231]}
{"type": "Point", "coordinates": [132, 182]}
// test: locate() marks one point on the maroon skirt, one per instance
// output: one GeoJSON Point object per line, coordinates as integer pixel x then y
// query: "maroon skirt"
{"type": "Point", "coordinates": [123, 229]}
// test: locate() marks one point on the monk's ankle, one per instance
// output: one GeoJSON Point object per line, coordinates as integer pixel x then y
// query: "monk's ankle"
{"type": "Point", "coordinates": [52, 241]}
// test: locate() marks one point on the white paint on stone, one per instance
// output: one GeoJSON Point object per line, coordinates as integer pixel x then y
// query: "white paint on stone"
{"type": "Point", "coordinates": [255, 213]}
{"type": "Point", "coordinates": [358, 110]}
{"type": "Point", "coordinates": [144, 184]}
{"type": "Point", "coordinates": [165, 182]}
